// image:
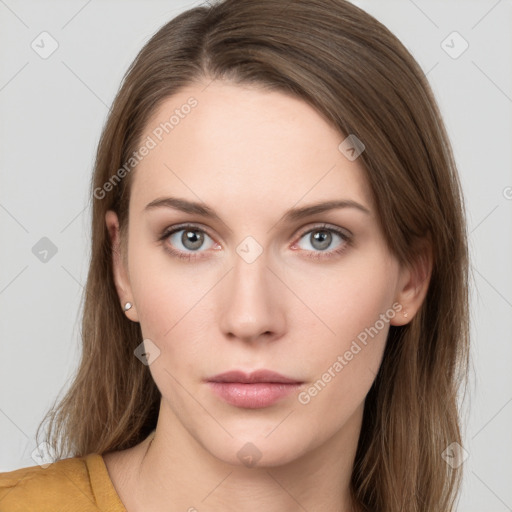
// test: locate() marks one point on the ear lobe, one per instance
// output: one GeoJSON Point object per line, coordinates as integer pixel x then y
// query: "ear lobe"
{"type": "Point", "coordinates": [120, 273]}
{"type": "Point", "coordinates": [413, 285]}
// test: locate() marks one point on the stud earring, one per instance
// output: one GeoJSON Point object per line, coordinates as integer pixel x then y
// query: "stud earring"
{"type": "Point", "coordinates": [127, 306]}
{"type": "Point", "coordinates": [406, 314]}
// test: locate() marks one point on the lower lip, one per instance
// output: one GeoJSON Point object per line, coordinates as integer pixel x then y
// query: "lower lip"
{"type": "Point", "coordinates": [252, 396]}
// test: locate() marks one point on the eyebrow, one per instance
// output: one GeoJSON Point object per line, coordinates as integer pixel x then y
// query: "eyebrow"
{"type": "Point", "coordinates": [291, 215]}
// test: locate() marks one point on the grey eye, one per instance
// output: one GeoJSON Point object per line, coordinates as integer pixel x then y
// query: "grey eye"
{"type": "Point", "coordinates": [320, 239]}
{"type": "Point", "coordinates": [190, 239]}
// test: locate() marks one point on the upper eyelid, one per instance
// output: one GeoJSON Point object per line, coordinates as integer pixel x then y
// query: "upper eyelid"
{"type": "Point", "coordinates": [179, 227]}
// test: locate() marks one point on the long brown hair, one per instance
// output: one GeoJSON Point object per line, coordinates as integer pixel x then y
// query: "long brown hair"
{"type": "Point", "coordinates": [358, 75]}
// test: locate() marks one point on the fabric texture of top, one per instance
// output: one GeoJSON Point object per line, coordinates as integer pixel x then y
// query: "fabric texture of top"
{"type": "Point", "coordinates": [76, 484]}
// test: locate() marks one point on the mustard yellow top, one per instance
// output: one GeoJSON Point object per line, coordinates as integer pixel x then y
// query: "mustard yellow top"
{"type": "Point", "coordinates": [76, 484]}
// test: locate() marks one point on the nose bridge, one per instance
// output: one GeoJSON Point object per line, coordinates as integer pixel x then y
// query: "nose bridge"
{"type": "Point", "coordinates": [252, 306]}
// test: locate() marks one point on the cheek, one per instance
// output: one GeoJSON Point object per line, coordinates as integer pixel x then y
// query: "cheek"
{"type": "Point", "coordinates": [172, 301]}
{"type": "Point", "coordinates": [349, 298]}
{"type": "Point", "coordinates": [157, 288]}
{"type": "Point", "coordinates": [354, 310]}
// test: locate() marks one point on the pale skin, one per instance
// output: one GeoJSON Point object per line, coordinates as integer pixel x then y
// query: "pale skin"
{"type": "Point", "coordinates": [251, 155]}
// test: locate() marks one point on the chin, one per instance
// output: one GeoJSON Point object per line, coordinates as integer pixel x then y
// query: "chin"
{"type": "Point", "coordinates": [258, 451]}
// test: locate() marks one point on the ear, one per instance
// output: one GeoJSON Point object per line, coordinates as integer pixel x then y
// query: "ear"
{"type": "Point", "coordinates": [413, 284]}
{"type": "Point", "coordinates": [121, 276]}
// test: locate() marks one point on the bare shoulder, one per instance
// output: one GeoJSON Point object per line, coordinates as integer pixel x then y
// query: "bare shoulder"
{"type": "Point", "coordinates": [122, 467]}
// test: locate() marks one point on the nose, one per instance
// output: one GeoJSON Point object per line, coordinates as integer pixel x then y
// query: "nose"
{"type": "Point", "coordinates": [252, 305]}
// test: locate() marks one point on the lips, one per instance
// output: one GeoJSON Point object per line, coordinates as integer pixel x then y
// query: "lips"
{"type": "Point", "coordinates": [255, 390]}
{"type": "Point", "coordinates": [252, 378]}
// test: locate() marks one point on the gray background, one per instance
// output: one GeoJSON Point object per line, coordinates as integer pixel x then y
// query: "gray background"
{"type": "Point", "coordinates": [52, 111]}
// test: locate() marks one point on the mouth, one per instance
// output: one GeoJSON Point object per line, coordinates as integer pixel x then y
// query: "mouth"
{"type": "Point", "coordinates": [255, 390]}
{"type": "Point", "coordinates": [258, 376]}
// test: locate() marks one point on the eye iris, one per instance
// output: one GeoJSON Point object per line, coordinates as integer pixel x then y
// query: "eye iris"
{"type": "Point", "coordinates": [324, 237]}
{"type": "Point", "coordinates": [192, 239]}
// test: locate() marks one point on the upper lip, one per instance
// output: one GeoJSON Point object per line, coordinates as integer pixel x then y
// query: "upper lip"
{"type": "Point", "coordinates": [253, 377]}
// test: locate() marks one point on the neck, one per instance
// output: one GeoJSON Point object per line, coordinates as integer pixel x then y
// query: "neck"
{"type": "Point", "coordinates": [176, 473]}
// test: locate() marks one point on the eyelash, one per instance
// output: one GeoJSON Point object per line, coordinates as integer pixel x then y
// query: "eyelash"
{"type": "Point", "coordinates": [317, 255]}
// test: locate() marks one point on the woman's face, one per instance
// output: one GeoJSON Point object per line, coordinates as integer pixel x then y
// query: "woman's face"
{"type": "Point", "coordinates": [244, 283]}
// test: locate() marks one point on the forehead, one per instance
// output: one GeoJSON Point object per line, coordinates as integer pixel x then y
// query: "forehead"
{"type": "Point", "coordinates": [227, 142]}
